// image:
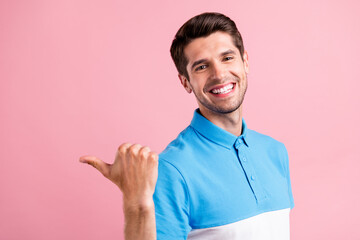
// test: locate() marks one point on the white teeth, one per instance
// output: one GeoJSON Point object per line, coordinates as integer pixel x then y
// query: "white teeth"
{"type": "Point", "coordinates": [223, 90]}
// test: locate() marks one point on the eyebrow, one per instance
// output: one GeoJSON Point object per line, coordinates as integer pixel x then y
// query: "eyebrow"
{"type": "Point", "coordinates": [204, 59]}
{"type": "Point", "coordinates": [198, 62]}
{"type": "Point", "coordinates": [227, 52]}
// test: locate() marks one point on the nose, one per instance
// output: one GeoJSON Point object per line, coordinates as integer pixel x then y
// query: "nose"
{"type": "Point", "coordinates": [218, 71]}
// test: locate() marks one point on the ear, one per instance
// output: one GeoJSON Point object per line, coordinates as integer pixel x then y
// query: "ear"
{"type": "Point", "coordinates": [185, 83]}
{"type": "Point", "coordinates": [246, 62]}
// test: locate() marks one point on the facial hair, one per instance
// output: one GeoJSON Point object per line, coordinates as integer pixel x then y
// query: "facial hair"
{"type": "Point", "coordinates": [234, 105]}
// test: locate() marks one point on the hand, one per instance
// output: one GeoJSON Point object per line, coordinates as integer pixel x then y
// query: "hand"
{"type": "Point", "coordinates": [134, 171]}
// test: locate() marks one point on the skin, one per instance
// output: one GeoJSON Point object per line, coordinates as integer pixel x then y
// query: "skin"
{"type": "Point", "coordinates": [135, 168]}
{"type": "Point", "coordinates": [219, 63]}
{"type": "Point", "coordinates": [135, 172]}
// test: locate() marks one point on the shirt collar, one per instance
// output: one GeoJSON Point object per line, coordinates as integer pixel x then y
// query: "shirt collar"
{"type": "Point", "coordinates": [217, 134]}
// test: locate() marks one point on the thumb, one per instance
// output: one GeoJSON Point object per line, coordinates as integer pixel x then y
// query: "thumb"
{"type": "Point", "coordinates": [101, 166]}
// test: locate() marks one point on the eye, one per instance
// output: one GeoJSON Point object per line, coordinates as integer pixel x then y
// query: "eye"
{"type": "Point", "coordinates": [228, 58]}
{"type": "Point", "coordinates": [201, 67]}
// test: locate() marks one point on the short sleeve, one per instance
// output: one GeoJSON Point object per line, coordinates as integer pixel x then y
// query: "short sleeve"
{"type": "Point", "coordinates": [171, 203]}
{"type": "Point", "coordinates": [286, 157]}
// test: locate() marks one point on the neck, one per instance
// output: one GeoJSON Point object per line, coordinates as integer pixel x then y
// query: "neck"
{"type": "Point", "coordinates": [231, 122]}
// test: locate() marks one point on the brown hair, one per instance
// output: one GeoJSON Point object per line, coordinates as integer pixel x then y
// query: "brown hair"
{"type": "Point", "coordinates": [202, 26]}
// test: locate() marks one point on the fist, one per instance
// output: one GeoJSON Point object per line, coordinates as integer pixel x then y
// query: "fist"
{"type": "Point", "coordinates": [134, 171]}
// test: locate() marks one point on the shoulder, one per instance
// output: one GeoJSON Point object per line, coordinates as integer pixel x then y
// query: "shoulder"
{"type": "Point", "coordinates": [259, 139]}
{"type": "Point", "coordinates": [180, 149]}
{"type": "Point", "coordinates": [264, 144]}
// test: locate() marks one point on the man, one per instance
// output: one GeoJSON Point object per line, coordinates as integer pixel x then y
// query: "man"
{"type": "Point", "coordinates": [217, 179]}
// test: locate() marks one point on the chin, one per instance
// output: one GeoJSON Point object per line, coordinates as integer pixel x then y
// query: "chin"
{"type": "Point", "coordinates": [222, 109]}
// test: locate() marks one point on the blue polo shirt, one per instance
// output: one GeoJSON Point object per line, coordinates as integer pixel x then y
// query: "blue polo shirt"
{"type": "Point", "coordinates": [209, 178]}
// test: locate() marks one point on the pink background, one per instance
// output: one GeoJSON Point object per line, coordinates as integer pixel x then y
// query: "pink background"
{"type": "Point", "coordinates": [82, 77]}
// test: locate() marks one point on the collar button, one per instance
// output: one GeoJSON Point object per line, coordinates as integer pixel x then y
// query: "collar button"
{"type": "Point", "coordinates": [238, 143]}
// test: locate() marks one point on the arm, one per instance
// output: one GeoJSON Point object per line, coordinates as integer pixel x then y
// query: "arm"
{"type": "Point", "coordinates": [140, 223]}
{"type": "Point", "coordinates": [135, 172]}
{"type": "Point", "coordinates": [172, 203]}
{"type": "Point", "coordinates": [291, 198]}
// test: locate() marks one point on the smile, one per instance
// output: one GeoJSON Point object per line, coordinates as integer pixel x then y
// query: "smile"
{"type": "Point", "coordinates": [223, 90]}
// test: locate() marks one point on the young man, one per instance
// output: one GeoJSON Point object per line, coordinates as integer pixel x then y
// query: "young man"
{"type": "Point", "coordinates": [217, 179]}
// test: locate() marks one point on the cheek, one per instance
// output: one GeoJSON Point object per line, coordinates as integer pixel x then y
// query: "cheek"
{"type": "Point", "coordinates": [197, 84]}
{"type": "Point", "coordinates": [243, 82]}
{"type": "Point", "coordinates": [196, 88]}
{"type": "Point", "coordinates": [241, 74]}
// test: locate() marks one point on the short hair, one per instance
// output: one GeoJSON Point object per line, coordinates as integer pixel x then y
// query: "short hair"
{"type": "Point", "coordinates": [202, 26]}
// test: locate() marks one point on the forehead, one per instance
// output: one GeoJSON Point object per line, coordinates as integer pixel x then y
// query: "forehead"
{"type": "Point", "coordinates": [209, 46]}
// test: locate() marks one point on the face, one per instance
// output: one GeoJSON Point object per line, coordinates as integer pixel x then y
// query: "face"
{"type": "Point", "coordinates": [217, 74]}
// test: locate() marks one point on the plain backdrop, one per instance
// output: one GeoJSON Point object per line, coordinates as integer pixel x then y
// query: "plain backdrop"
{"type": "Point", "coordinates": [81, 77]}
